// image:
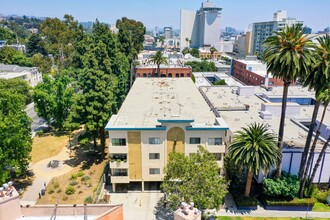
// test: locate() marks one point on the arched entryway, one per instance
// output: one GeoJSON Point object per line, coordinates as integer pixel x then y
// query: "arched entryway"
{"type": "Point", "coordinates": [175, 140]}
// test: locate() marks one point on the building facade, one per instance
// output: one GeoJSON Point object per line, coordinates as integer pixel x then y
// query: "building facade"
{"type": "Point", "coordinates": [165, 71]}
{"type": "Point", "coordinates": [172, 116]}
{"type": "Point", "coordinates": [253, 72]}
{"type": "Point", "coordinates": [30, 74]}
{"type": "Point", "coordinates": [201, 27]}
{"type": "Point", "coordinates": [262, 30]}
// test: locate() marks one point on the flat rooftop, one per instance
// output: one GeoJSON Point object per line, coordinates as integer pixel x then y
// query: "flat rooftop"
{"type": "Point", "coordinates": [200, 79]}
{"type": "Point", "coordinates": [232, 109]}
{"type": "Point", "coordinates": [153, 100]}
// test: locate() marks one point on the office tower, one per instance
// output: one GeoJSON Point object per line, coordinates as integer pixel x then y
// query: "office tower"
{"type": "Point", "coordinates": [262, 30]}
{"type": "Point", "coordinates": [168, 32]}
{"type": "Point", "coordinates": [201, 27]}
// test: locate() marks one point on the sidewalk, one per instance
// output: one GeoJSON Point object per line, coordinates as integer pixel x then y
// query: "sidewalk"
{"type": "Point", "coordinates": [261, 212]}
{"type": "Point", "coordinates": [44, 174]}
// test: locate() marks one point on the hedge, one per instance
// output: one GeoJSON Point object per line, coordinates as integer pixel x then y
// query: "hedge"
{"type": "Point", "coordinates": [290, 202]}
{"type": "Point", "coordinates": [243, 201]}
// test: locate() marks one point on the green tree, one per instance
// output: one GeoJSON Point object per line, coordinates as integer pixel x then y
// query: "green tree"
{"type": "Point", "coordinates": [255, 149]}
{"type": "Point", "coordinates": [44, 63]}
{"type": "Point", "coordinates": [43, 97]}
{"type": "Point", "coordinates": [53, 99]}
{"type": "Point", "coordinates": [289, 56]}
{"type": "Point", "coordinates": [194, 52]}
{"type": "Point", "coordinates": [158, 59]}
{"type": "Point", "coordinates": [8, 35]}
{"type": "Point", "coordinates": [35, 45]}
{"type": "Point", "coordinates": [17, 86]}
{"type": "Point", "coordinates": [319, 80]}
{"type": "Point", "coordinates": [203, 66]}
{"type": "Point", "coordinates": [130, 37]}
{"type": "Point", "coordinates": [7, 54]}
{"type": "Point", "coordinates": [21, 60]}
{"type": "Point", "coordinates": [185, 51]}
{"type": "Point", "coordinates": [194, 179]}
{"type": "Point", "coordinates": [15, 141]}
{"type": "Point", "coordinates": [213, 50]}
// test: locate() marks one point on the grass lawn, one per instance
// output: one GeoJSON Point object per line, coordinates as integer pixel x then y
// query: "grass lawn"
{"type": "Point", "coordinates": [258, 218]}
{"type": "Point", "coordinates": [320, 207]}
{"type": "Point", "coordinates": [47, 146]}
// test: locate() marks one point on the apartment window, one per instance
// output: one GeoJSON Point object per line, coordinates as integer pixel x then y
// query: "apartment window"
{"type": "Point", "coordinates": [118, 156]}
{"type": "Point", "coordinates": [194, 140]}
{"type": "Point", "coordinates": [154, 140]}
{"type": "Point", "coordinates": [177, 75]}
{"type": "Point", "coordinates": [154, 156]}
{"type": "Point", "coordinates": [215, 141]}
{"type": "Point", "coordinates": [217, 156]}
{"type": "Point", "coordinates": [154, 171]}
{"type": "Point", "coordinates": [144, 75]}
{"type": "Point", "coordinates": [182, 75]}
{"type": "Point", "coordinates": [118, 141]}
{"type": "Point", "coordinates": [119, 172]}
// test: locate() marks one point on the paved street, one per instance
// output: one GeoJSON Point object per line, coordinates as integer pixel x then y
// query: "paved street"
{"type": "Point", "coordinates": [36, 121]}
{"type": "Point", "coordinates": [147, 206]}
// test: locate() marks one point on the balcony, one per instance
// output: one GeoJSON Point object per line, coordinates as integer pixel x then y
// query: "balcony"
{"type": "Point", "coordinates": [119, 179]}
{"type": "Point", "coordinates": [118, 149]}
{"type": "Point", "coordinates": [118, 164]}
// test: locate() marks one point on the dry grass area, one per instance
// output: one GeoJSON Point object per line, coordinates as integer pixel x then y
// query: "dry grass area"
{"type": "Point", "coordinates": [47, 146]}
{"type": "Point", "coordinates": [83, 179]}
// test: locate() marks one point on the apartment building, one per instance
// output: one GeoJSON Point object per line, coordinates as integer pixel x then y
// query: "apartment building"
{"type": "Point", "coordinates": [253, 72]}
{"type": "Point", "coordinates": [30, 74]}
{"type": "Point", "coordinates": [160, 115]}
{"type": "Point", "coordinates": [262, 30]}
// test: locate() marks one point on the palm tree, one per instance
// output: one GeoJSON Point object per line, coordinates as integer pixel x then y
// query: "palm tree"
{"type": "Point", "coordinates": [158, 59]}
{"type": "Point", "coordinates": [289, 56]}
{"type": "Point", "coordinates": [255, 149]}
{"type": "Point", "coordinates": [212, 50]}
{"type": "Point", "coordinates": [325, 99]}
{"type": "Point", "coordinates": [187, 40]}
{"type": "Point", "coordinates": [319, 80]}
{"type": "Point", "coordinates": [317, 164]}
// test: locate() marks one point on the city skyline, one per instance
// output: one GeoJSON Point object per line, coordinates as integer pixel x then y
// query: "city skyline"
{"type": "Point", "coordinates": [236, 13]}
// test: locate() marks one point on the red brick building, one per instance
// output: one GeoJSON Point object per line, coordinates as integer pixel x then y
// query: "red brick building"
{"type": "Point", "coordinates": [254, 73]}
{"type": "Point", "coordinates": [165, 71]}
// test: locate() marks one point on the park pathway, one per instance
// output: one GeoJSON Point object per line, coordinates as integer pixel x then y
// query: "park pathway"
{"type": "Point", "coordinates": [43, 175]}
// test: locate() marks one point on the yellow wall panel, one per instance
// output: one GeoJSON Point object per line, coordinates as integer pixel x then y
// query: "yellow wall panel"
{"type": "Point", "coordinates": [134, 155]}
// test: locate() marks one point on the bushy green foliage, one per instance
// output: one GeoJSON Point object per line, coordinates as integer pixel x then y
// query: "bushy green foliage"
{"type": "Point", "coordinates": [74, 176]}
{"type": "Point", "coordinates": [80, 173]}
{"type": "Point", "coordinates": [290, 202]}
{"type": "Point", "coordinates": [221, 82]}
{"type": "Point", "coordinates": [69, 190]}
{"type": "Point", "coordinates": [85, 178]}
{"type": "Point", "coordinates": [17, 86]}
{"type": "Point", "coordinates": [286, 186]}
{"type": "Point", "coordinates": [88, 199]}
{"type": "Point", "coordinates": [203, 66]}
{"type": "Point", "coordinates": [185, 176]}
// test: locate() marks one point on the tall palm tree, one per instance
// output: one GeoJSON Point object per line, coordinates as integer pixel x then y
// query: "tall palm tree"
{"type": "Point", "coordinates": [255, 149]}
{"type": "Point", "coordinates": [212, 51]}
{"type": "Point", "coordinates": [158, 59]}
{"type": "Point", "coordinates": [289, 56]}
{"type": "Point", "coordinates": [319, 80]}
{"type": "Point", "coordinates": [317, 164]}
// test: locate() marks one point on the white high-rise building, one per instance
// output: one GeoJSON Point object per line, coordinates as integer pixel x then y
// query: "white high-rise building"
{"type": "Point", "coordinates": [262, 30]}
{"type": "Point", "coordinates": [201, 27]}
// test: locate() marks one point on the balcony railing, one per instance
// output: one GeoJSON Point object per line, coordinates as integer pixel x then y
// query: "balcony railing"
{"type": "Point", "coordinates": [118, 164]}
{"type": "Point", "coordinates": [119, 179]}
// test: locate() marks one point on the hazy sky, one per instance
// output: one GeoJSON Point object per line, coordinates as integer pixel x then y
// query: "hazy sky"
{"type": "Point", "coordinates": [236, 13]}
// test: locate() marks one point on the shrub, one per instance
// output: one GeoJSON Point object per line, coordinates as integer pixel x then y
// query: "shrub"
{"type": "Point", "coordinates": [80, 192]}
{"type": "Point", "coordinates": [74, 176]}
{"type": "Point", "coordinates": [51, 191]}
{"type": "Point", "coordinates": [80, 173]}
{"type": "Point", "coordinates": [56, 185]}
{"type": "Point", "coordinates": [285, 186]}
{"type": "Point", "coordinates": [290, 202]}
{"type": "Point", "coordinates": [39, 133]}
{"type": "Point", "coordinates": [59, 190]}
{"type": "Point", "coordinates": [65, 198]}
{"type": "Point", "coordinates": [88, 199]}
{"type": "Point", "coordinates": [321, 196]}
{"type": "Point", "coordinates": [85, 178]}
{"type": "Point", "coordinates": [69, 190]}
{"type": "Point", "coordinates": [73, 183]}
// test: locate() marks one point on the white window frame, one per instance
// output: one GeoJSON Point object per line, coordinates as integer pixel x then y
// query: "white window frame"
{"type": "Point", "coordinates": [154, 140]}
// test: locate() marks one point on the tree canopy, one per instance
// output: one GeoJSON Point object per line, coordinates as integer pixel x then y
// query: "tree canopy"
{"type": "Point", "coordinates": [15, 141]}
{"type": "Point", "coordinates": [194, 179]}
{"type": "Point", "coordinates": [203, 66]}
